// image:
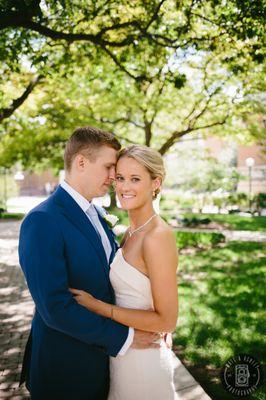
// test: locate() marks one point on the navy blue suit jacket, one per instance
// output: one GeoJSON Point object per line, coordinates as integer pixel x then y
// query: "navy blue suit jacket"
{"type": "Point", "coordinates": [67, 355]}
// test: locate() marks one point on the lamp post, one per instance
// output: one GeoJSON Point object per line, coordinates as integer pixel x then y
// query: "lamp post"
{"type": "Point", "coordinates": [250, 163]}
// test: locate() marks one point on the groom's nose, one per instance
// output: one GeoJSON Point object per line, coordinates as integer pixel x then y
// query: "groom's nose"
{"type": "Point", "coordinates": [112, 174]}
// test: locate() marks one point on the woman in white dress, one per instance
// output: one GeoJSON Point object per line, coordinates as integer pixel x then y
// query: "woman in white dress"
{"type": "Point", "coordinates": [143, 275]}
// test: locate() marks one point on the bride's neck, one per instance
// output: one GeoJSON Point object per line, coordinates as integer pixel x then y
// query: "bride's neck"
{"type": "Point", "coordinates": [139, 216]}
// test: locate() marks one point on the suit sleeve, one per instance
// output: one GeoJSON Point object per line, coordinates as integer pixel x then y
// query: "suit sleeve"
{"type": "Point", "coordinates": [41, 254]}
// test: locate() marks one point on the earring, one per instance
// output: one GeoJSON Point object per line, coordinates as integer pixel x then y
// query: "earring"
{"type": "Point", "coordinates": [153, 193]}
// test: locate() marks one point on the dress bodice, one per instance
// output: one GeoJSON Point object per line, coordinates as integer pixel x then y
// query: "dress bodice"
{"type": "Point", "coordinates": [132, 288]}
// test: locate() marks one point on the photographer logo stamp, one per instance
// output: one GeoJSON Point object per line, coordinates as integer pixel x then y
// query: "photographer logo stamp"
{"type": "Point", "coordinates": [241, 375]}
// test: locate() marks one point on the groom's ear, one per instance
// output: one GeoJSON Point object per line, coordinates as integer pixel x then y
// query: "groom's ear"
{"type": "Point", "coordinates": [80, 162]}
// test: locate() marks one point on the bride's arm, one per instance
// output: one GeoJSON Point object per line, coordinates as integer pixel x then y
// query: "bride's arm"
{"type": "Point", "coordinates": [160, 256]}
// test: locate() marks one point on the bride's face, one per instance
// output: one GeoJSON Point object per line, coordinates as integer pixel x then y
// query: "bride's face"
{"type": "Point", "coordinates": [134, 185]}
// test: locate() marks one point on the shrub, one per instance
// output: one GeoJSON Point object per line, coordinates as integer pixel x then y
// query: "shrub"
{"type": "Point", "coordinates": [195, 221]}
{"type": "Point", "coordinates": [259, 202]}
{"type": "Point", "coordinates": [2, 210]}
{"type": "Point", "coordinates": [6, 215]}
{"type": "Point", "coordinates": [198, 239]}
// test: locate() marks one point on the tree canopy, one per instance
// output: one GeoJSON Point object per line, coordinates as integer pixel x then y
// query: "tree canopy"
{"type": "Point", "coordinates": [150, 71]}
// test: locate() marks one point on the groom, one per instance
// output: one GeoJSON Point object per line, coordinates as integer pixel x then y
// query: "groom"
{"type": "Point", "coordinates": [65, 242]}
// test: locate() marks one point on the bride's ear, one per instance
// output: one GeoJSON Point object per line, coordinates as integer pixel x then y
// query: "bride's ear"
{"type": "Point", "coordinates": [157, 182]}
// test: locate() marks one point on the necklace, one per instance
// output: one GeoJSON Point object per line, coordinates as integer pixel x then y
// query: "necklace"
{"type": "Point", "coordinates": [130, 233]}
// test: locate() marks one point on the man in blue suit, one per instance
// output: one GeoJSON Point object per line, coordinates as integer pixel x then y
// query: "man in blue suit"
{"type": "Point", "coordinates": [65, 242]}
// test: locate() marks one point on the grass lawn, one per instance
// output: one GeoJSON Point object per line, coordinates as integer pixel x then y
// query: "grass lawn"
{"type": "Point", "coordinates": [236, 222]}
{"type": "Point", "coordinates": [222, 303]}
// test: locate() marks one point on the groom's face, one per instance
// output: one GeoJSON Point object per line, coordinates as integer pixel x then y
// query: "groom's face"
{"type": "Point", "coordinates": [99, 172]}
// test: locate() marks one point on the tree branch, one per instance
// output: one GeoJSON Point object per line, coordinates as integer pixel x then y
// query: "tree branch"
{"type": "Point", "coordinates": [116, 61]}
{"type": "Point", "coordinates": [122, 119]}
{"type": "Point", "coordinates": [178, 134]}
{"type": "Point", "coordinates": [116, 121]}
{"type": "Point", "coordinates": [18, 20]}
{"type": "Point", "coordinates": [155, 15]}
{"type": "Point", "coordinates": [6, 112]}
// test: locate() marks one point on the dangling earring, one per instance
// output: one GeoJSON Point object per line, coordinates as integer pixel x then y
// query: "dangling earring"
{"type": "Point", "coordinates": [153, 194]}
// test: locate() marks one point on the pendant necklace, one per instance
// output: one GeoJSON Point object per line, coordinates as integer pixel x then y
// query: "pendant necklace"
{"type": "Point", "coordinates": [130, 233]}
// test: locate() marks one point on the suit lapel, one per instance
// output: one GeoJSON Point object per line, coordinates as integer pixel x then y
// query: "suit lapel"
{"type": "Point", "coordinates": [76, 215]}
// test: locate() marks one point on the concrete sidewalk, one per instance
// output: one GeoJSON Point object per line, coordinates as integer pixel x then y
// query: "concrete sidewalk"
{"type": "Point", "coordinates": [16, 308]}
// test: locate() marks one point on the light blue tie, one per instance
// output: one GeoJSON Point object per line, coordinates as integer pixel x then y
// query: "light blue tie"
{"type": "Point", "coordinates": [94, 218]}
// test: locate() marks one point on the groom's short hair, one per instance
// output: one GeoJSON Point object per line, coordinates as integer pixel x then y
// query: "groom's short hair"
{"type": "Point", "coordinates": [87, 140]}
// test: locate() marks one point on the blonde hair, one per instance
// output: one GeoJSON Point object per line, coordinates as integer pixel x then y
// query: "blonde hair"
{"type": "Point", "coordinates": [149, 158]}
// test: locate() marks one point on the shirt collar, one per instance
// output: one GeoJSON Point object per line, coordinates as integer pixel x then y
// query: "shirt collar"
{"type": "Point", "coordinates": [79, 199]}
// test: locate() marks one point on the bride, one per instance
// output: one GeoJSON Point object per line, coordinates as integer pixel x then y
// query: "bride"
{"type": "Point", "coordinates": [143, 275]}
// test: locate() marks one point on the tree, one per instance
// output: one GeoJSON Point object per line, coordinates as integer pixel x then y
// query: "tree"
{"type": "Point", "coordinates": [37, 29]}
{"type": "Point", "coordinates": [193, 93]}
{"type": "Point", "coordinates": [16, 103]}
{"type": "Point", "coordinates": [164, 57]}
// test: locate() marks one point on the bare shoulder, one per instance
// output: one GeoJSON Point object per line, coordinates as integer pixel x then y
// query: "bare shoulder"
{"type": "Point", "coordinates": [159, 250]}
{"type": "Point", "coordinates": [160, 237]}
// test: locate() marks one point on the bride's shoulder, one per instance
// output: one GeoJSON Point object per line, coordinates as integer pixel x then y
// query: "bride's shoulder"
{"type": "Point", "coordinates": [161, 235]}
{"type": "Point", "coordinates": [159, 247]}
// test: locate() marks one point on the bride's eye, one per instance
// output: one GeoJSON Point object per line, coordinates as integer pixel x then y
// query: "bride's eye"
{"type": "Point", "coordinates": [119, 178]}
{"type": "Point", "coordinates": [135, 179]}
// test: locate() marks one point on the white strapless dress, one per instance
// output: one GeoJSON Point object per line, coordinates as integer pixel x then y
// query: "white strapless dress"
{"type": "Point", "coordinates": [139, 374]}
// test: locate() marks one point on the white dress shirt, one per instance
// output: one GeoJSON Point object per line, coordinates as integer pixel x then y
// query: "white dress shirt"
{"type": "Point", "coordinates": [92, 214]}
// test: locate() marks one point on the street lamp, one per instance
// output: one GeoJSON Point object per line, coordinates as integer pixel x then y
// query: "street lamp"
{"type": "Point", "coordinates": [250, 163]}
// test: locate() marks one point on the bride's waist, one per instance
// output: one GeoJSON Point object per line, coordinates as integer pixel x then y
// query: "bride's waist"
{"type": "Point", "coordinates": [139, 354]}
{"type": "Point", "coordinates": [134, 305]}
{"type": "Point", "coordinates": [137, 303]}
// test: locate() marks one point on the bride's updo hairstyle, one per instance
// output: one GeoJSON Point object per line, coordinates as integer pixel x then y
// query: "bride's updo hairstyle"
{"type": "Point", "coordinates": [149, 158]}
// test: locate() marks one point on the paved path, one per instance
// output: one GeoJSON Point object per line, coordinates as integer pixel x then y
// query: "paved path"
{"type": "Point", "coordinates": [16, 310]}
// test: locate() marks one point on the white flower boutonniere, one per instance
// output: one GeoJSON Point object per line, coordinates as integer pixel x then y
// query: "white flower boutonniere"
{"type": "Point", "coordinates": [111, 220]}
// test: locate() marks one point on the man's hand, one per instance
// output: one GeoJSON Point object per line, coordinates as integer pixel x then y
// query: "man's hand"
{"type": "Point", "coordinates": [145, 340]}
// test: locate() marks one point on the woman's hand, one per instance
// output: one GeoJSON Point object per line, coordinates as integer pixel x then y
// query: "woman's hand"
{"type": "Point", "coordinates": [85, 299]}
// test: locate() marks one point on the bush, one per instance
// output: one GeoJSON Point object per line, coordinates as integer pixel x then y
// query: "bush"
{"type": "Point", "coordinates": [259, 202]}
{"type": "Point", "coordinates": [198, 239]}
{"type": "Point", "coordinates": [122, 215]}
{"type": "Point", "coordinates": [6, 215]}
{"type": "Point", "coordinates": [2, 210]}
{"type": "Point", "coordinates": [195, 221]}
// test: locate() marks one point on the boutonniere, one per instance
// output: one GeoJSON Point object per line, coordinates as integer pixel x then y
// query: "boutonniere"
{"type": "Point", "coordinates": [111, 220]}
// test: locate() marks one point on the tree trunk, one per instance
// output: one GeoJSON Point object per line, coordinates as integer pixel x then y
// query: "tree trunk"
{"type": "Point", "coordinates": [113, 200]}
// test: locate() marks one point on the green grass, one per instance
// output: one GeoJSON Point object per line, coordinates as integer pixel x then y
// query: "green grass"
{"type": "Point", "coordinates": [222, 297]}
{"type": "Point", "coordinates": [236, 222]}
